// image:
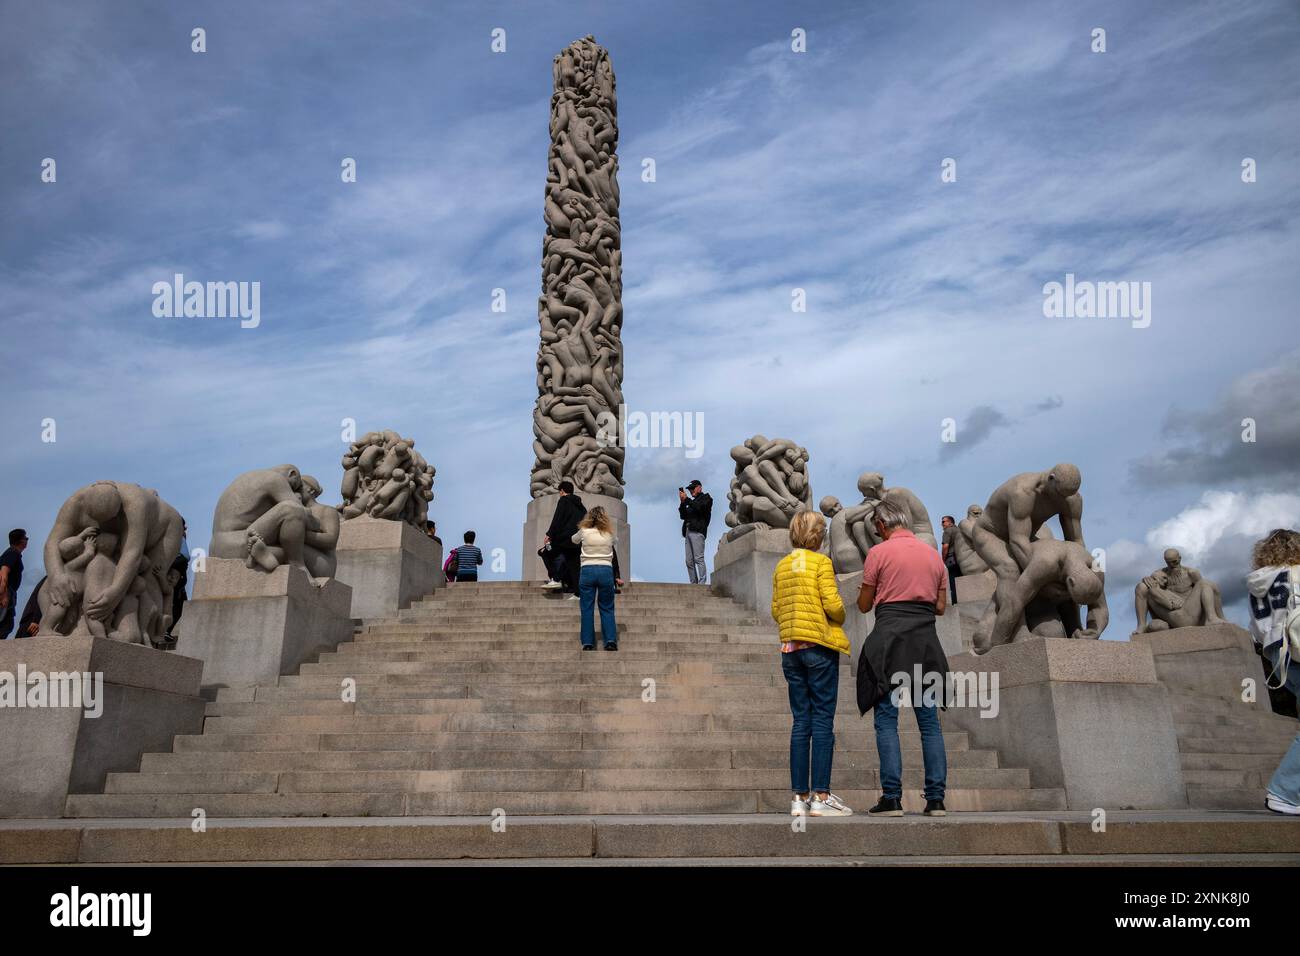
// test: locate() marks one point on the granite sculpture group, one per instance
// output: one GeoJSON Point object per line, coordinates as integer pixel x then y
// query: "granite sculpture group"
{"type": "Point", "coordinates": [385, 477]}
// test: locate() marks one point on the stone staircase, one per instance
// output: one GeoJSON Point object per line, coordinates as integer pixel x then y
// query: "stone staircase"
{"type": "Point", "coordinates": [1229, 748]}
{"type": "Point", "coordinates": [478, 699]}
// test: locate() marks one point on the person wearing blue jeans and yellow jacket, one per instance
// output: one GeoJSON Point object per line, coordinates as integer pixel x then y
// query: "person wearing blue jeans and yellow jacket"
{"type": "Point", "coordinates": [807, 608]}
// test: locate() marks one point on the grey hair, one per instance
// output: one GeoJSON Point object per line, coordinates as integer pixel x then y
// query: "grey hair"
{"type": "Point", "coordinates": [893, 515]}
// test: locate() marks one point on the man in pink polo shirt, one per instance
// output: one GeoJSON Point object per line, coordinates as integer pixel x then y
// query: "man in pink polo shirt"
{"type": "Point", "coordinates": [905, 581]}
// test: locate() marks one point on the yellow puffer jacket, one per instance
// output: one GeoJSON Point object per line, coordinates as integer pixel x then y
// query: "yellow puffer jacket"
{"type": "Point", "coordinates": [806, 603]}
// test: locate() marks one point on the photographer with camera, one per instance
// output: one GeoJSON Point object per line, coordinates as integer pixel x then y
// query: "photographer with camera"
{"type": "Point", "coordinates": [695, 512]}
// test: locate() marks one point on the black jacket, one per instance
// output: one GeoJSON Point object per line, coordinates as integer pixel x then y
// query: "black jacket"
{"type": "Point", "coordinates": [695, 513]}
{"type": "Point", "coordinates": [569, 510]}
{"type": "Point", "coordinates": [903, 639]}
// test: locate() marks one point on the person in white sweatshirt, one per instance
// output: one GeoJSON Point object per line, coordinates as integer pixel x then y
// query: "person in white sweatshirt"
{"type": "Point", "coordinates": [597, 578]}
{"type": "Point", "coordinates": [1274, 588]}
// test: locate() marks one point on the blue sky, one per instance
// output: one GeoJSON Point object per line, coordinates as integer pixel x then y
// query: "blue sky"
{"type": "Point", "coordinates": [775, 170]}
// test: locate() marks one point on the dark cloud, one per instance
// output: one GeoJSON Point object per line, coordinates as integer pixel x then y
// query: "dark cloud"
{"type": "Point", "coordinates": [1050, 403]}
{"type": "Point", "coordinates": [1207, 447]}
{"type": "Point", "coordinates": [982, 421]}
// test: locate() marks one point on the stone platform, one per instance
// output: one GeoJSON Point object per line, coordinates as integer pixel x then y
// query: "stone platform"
{"type": "Point", "coordinates": [148, 697]}
{"type": "Point", "coordinates": [538, 519]}
{"type": "Point", "coordinates": [249, 627]}
{"type": "Point", "coordinates": [1169, 838]}
{"type": "Point", "coordinates": [388, 564]}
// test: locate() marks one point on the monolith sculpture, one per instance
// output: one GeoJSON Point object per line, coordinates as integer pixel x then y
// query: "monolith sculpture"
{"type": "Point", "coordinates": [580, 309]}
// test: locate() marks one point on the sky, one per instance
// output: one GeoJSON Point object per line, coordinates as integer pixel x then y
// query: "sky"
{"type": "Point", "coordinates": [775, 170]}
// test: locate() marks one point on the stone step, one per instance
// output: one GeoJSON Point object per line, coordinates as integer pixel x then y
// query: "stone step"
{"type": "Point", "coordinates": [680, 759]}
{"type": "Point", "coordinates": [584, 662]}
{"type": "Point", "coordinates": [648, 721]}
{"type": "Point", "coordinates": [1254, 780]}
{"type": "Point", "coordinates": [1220, 798]}
{"type": "Point", "coordinates": [1246, 744]}
{"type": "Point", "coordinates": [570, 651]}
{"type": "Point", "coordinates": [455, 803]}
{"type": "Point", "coordinates": [1230, 761]}
{"type": "Point", "coordinates": [523, 641]}
{"type": "Point", "coordinates": [509, 781]}
{"type": "Point", "coordinates": [329, 688]}
{"type": "Point", "coordinates": [533, 741]}
{"type": "Point", "coordinates": [777, 711]}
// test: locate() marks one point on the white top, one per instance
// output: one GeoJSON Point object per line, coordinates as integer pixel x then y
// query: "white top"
{"type": "Point", "coordinates": [597, 547]}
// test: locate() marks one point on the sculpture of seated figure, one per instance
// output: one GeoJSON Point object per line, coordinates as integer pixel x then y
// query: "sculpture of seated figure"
{"type": "Point", "coordinates": [842, 546]}
{"type": "Point", "coordinates": [1046, 597]}
{"type": "Point", "coordinates": [260, 518]}
{"type": "Point", "coordinates": [871, 485]}
{"type": "Point", "coordinates": [968, 559]}
{"type": "Point", "coordinates": [1176, 596]}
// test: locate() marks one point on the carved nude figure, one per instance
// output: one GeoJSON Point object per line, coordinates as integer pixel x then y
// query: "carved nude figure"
{"type": "Point", "coordinates": [261, 519]}
{"type": "Point", "coordinates": [1176, 596]}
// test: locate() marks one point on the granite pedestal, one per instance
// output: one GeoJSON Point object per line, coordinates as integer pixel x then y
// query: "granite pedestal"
{"type": "Point", "coordinates": [388, 564]}
{"type": "Point", "coordinates": [1086, 716]}
{"type": "Point", "coordinates": [743, 568]}
{"type": "Point", "coordinates": [538, 518]}
{"type": "Point", "coordinates": [147, 697]}
{"type": "Point", "coordinates": [249, 627]}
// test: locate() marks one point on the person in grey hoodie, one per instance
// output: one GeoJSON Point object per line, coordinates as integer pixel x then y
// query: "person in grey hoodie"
{"type": "Point", "coordinates": [1274, 588]}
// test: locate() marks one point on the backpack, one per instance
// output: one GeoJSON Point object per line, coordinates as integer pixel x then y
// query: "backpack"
{"type": "Point", "coordinates": [449, 566]}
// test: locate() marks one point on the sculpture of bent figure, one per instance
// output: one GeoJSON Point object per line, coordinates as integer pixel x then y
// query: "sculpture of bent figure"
{"type": "Point", "coordinates": [1046, 597]}
{"type": "Point", "coordinates": [1004, 533]}
{"type": "Point", "coordinates": [106, 561]}
{"type": "Point", "coordinates": [968, 559]}
{"type": "Point", "coordinates": [769, 487]}
{"type": "Point", "coordinates": [1176, 596]}
{"type": "Point", "coordinates": [262, 520]}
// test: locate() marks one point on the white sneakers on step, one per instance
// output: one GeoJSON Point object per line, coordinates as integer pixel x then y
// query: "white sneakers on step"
{"type": "Point", "coordinates": [551, 585]}
{"type": "Point", "coordinates": [1275, 803]}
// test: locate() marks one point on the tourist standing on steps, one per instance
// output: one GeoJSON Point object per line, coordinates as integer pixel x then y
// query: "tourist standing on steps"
{"type": "Point", "coordinates": [431, 532]}
{"type": "Point", "coordinates": [468, 558]}
{"type": "Point", "coordinates": [569, 510]}
{"type": "Point", "coordinates": [595, 537]}
{"type": "Point", "coordinates": [1274, 588]}
{"type": "Point", "coordinates": [950, 556]}
{"type": "Point", "coordinates": [808, 611]}
{"type": "Point", "coordinates": [695, 512]}
{"type": "Point", "coordinates": [11, 578]}
{"type": "Point", "coordinates": [904, 580]}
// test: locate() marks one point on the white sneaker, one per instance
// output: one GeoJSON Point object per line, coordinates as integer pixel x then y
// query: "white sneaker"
{"type": "Point", "coordinates": [799, 806]}
{"type": "Point", "coordinates": [832, 806]}
{"type": "Point", "coordinates": [572, 597]}
{"type": "Point", "coordinates": [551, 585]}
{"type": "Point", "coordinates": [1275, 803]}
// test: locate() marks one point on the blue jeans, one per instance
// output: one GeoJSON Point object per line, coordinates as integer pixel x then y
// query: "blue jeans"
{"type": "Point", "coordinates": [813, 676]}
{"type": "Point", "coordinates": [891, 754]}
{"type": "Point", "coordinates": [596, 586]}
{"type": "Point", "coordinates": [1286, 780]}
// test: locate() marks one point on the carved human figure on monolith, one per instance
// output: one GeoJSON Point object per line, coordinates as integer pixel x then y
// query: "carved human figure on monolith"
{"type": "Point", "coordinates": [580, 310]}
{"type": "Point", "coordinates": [1176, 596]}
{"type": "Point", "coordinates": [106, 561]}
{"type": "Point", "coordinates": [262, 520]}
{"type": "Point", "coordinates": [770, 485]}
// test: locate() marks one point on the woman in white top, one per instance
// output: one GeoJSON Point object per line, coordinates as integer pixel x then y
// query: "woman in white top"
{"type": "Point", "coordinates": [1274, 588]}
{"type": "Point", "coordinates": [596, 579]}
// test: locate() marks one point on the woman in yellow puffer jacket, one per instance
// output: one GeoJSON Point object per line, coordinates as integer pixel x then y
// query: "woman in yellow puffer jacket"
{"type": "Point", "coordinates": [807, 608]}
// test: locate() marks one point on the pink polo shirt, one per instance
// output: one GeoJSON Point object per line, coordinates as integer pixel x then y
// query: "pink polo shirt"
{"type": "Point", "coordinates": [904, 568]}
